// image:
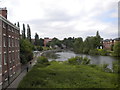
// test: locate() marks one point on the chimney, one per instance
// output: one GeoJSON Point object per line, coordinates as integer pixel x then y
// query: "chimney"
{"type": "Point", "coordinates": [3, 12]}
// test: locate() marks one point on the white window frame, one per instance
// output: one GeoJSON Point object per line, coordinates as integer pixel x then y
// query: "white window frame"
{"type": "Point", "coordinates": [5, 59]}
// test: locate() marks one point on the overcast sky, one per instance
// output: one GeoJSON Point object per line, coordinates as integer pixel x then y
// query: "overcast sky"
{"type": "Point", "coordinates": [65, 18]}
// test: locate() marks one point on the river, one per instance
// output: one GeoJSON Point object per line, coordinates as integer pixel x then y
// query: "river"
{"type": "Point", "coordinates": [65, 55]}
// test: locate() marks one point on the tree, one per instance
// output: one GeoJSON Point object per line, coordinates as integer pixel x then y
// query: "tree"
{"type": "Point", "coordinates": [116, 49]}
{"type": "Point", "coordinates": [37, 43]}
{"type": "Point", "coordinates": [41, 42]}
{"type": "Point", "coordinates": [25, 51]}
{"type": "Point", "coordinates": [18, 25]}
{"type": "Point", "coordinates": [28, 33]}
{"type": "Point", "coordinates": [55, 41]}
{"type": "Point", "coordinates": [23, 32]}
{"type": "Point", "coordinates": [68, 42]}
{"type": "Point", "coordinates": [98, 39]}
{"type": "Point", "coordinates": [78, 45]}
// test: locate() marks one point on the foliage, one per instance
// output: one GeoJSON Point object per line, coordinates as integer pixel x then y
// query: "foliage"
{"type": "Point", "coordinates": [41, 41]}
{"type": "Point", "coordinates": [37, 42]}
{"type": "Point", "coordinates": [42, 60]}
{"type": "Point", "coordinates": [79, 60]}
{"type": "Point", "coordinates": [46, 48]}
{"type": "Point", "coordinates": [116, 49]}
{"type": "Point", "coordinates": [102, 52]}
{"type": "Point", "coordinates": [105, 68]}
{"type": "Point", "coordinates": [55, 42]}
{"type": "Point", "coordinates": [28, 33]}
{"type": "Point", "coordinates": [39, 48]}
{"type": "Point", "coordinates": [23, 32]}
{"type": "Point", "coordinates": [93, 52]}
{"type": "Point", "coordinates": [60, 75]}
{"type": "Point", "coordinates": [18, 25]}
{"type": "Point", "coordinates": [78, 45]}
{"type": "Point", "coordinates": [116, 67]}
{"type": "Point", "coordinates": [25, 51]}
{"type": "Point", "coordinates": [68, 42]}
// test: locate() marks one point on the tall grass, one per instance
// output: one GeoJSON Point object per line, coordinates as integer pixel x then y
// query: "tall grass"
{"type": "Point", "coordinates": [62, 75]}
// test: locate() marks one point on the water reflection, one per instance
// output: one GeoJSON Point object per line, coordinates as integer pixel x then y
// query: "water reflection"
{"type": "Point", "coordinates": [63, 56]}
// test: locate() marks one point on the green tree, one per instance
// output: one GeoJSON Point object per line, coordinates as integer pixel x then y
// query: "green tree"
{"type": "Point", "coordinates": [37, 43]}
{"type": "Point", "coordinates": [26, 49]}
{"type": "Point", "coordinates": [41, 42]}
{"type": "Point", "coordinates": [98, 40]}
{"type": "Point", "coordinates": [55, 41]}
{"type": "Point", "coordinates": [68, 42]}
{"type": "Point", "coordinates": [23, 32]}
{"type": "Point", "coordinates": [18, 25]}
{"type": "Point", "coordinates": [78, 45]}
{"type": "Point", "coordinates": [116, 49]}
{"type": "Point", "coordinates": [28, 33]}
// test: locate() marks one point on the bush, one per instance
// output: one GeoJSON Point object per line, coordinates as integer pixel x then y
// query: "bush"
{"type": "Point", "coordinates": [79, 60]}
{"type": "Point", "coordinates": [102, 52]}
{"type": "Point", "coordinates": [93, 52]}
{"type": "Point", "coordinates": [116, 49]}
{"type": "Point", "coordinates": [42, 60]}
{"type": "Point", "coordinates": [72, 60]}
{"type": "Point", "coordinates": [39, 48]}
{"type": "Point", "coordinates": [105, 68]}
{"type": "Point", "coordinates": [116, 67]}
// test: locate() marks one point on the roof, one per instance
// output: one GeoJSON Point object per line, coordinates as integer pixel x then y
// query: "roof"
{"type": "Point", "coordinates": [107, 40]}
{"type": "Point", "coordinates": [8, 22]}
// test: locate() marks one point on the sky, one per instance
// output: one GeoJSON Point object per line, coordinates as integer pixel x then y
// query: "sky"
{"type": "Point", "coordinates": [65, 18]}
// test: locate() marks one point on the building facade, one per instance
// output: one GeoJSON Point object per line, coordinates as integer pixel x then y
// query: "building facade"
{"type": "Point", "coordinates": [10, 66]}
{"type": "Point", "coordinates": [46, 40]}
{"type": "Point", "coordinates": [109, 43]}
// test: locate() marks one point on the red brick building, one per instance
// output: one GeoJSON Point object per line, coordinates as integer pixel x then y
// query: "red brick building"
{"type": "Point", "coordinates": [108, 43]}
{"type": "Point", "coordinates": [10, 66]}
{"type": "Point", "coordinates": [46, 40]}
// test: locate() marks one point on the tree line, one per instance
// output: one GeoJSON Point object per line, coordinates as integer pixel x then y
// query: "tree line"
{"type": "Point", "coordinates": [26, 47]}
{"type": "Point", "coordinates": [91, 45]}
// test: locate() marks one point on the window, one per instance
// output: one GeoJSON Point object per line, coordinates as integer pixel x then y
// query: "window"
{"type": "Point", "coordinates": [12, 29]}
{"type": "Point", "coordinates": [5, 61]}
{"type": "Point", "coordinates": [10, 57]}
{"type": "Point", "coordinates": [13, 56]}
{"type": "Point", "coordinates": [9, 41]}
{"type": "Point", "coordinates": [4, 41]}
{"type": "Point", "coordinates": [8, 27]}
{"type": "Point", "coordinates": [4, 25]}
{"type": "Point", "coordinates": [12, 42]}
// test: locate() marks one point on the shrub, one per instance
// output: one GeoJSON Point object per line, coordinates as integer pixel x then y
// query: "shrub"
{"type": "Point", "coordinates": [42, 60]}
{"type": "Point", "coordinates": [93, 52]}
{"type": "Point", "coordinates": [79, 60]}
{"type": "Point", "coordinates": [72, 60]}
{"type": "Point", "coordinates": [105, 68]}
{"type": "Point", "coordinates": [116, 49]}
{"type": "Point", "coordinates": [102, 52]}
{"type": "Point", "coordinates": [116, 67]}
{"type": "Point", "coordinates": [39, 48]}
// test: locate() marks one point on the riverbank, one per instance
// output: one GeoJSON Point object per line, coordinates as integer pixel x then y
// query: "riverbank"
{"type": "Point", "coordinates": [62, 75]}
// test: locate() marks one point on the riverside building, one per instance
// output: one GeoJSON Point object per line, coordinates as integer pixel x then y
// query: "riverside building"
{"type": "Point", "coordinates": [10, 66]}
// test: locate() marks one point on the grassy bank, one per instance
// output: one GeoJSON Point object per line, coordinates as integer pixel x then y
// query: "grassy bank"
{"type": "Point", "coordinates": [63, 75]}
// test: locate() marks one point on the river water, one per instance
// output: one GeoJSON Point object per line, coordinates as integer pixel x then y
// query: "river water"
{"type": "Point", "coordinates": [63, 56]}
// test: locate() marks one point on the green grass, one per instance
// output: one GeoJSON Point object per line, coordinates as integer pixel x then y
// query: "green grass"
{"type": "Point", "coordinates": [62, 75]}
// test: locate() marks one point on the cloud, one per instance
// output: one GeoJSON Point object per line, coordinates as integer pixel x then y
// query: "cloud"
{"type": "Point", "coordinates": [64, 18]}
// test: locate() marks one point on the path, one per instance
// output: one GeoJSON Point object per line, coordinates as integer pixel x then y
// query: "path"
{"type": "Point", "coordinates": [16, 82]}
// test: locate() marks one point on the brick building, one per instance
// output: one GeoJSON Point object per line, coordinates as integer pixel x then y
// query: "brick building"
{"type": "Point", "coordinates": [46, 40]}
{"type": "Point", "coordinates": [109, 43]}
{"type": "Point", "coordinates": [10, 66]}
